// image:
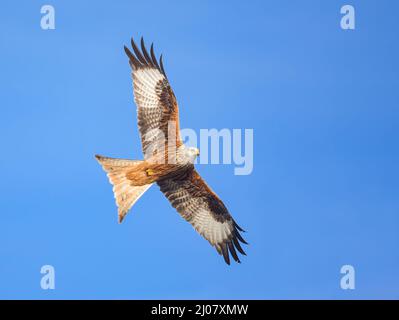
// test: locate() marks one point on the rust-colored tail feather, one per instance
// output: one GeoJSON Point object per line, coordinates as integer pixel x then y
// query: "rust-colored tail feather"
{"type": "Point", "coordinates": [126, 194]}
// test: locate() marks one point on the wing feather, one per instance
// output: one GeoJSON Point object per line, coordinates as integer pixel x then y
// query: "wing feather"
{"type": "Point", "coordinates": [153, 57]}
{"type": "Point", "coordinates": [137, 52]}
{"type": "Point", "coordinates": [146, 55]}
{"type": "Point", "coordinates": [161, 65]}
{"type": "Point", "coordinates": [199, 205]}
{"type": "Point", "coordinates": [154, 97]}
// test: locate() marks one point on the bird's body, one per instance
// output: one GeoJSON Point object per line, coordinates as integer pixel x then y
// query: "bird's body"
{"type": "Point", "coordinates": [167, 161]}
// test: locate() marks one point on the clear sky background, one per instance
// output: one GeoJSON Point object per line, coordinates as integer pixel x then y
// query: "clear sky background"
{"type": "Point", "coordinates": [323, 103]}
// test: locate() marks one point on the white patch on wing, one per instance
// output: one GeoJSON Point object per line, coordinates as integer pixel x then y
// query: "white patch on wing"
{"type": "Point", "coordinates": [199, 216]}
{"type": "Point", "coordinates": [215, 232]}
{"type": "Point", "coordinates": [145, 83]}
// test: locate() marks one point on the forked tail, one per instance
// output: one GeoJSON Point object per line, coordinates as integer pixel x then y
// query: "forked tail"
{"type": "Point", "coordinates": [125, 193]}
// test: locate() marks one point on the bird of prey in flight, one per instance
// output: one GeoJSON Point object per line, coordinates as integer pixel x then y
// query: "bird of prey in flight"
{"type": "Point", "coordinates": [167, 161]}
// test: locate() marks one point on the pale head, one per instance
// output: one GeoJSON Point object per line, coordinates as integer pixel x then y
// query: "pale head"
{"type": "Point", "coordinates": [188, 154]}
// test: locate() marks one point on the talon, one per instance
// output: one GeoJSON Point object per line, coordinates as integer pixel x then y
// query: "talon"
{"type": "Point", "coordinates": [149, 172]}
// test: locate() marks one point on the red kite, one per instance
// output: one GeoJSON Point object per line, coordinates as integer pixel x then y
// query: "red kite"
{"type": "Point", "coordinates": [176, 176]}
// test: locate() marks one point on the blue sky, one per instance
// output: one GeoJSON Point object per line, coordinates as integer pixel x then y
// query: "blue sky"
{"type": "Point", "coordinates": [323, 104]}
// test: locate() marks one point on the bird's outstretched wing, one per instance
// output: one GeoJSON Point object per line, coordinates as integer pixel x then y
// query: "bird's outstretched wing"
{"type": "Point", "coordinates": [156, 103]}
{"type": "Point", "coordinates": [199, 205]}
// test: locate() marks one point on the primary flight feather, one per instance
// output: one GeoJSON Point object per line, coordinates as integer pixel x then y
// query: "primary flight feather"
{"type": "Point", "coordinates": [167, 161]}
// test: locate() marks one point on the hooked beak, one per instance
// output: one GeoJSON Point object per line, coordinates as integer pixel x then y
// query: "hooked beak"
{"type": "Point", "coordinates": [198, 152]}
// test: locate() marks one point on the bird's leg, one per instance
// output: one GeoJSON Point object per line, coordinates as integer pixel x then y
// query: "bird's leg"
{"type": "Point", "coordinates": [149, 172]}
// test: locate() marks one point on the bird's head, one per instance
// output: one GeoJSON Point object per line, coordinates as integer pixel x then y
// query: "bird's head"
{"type": "Point", "coordinates": [192, 153]}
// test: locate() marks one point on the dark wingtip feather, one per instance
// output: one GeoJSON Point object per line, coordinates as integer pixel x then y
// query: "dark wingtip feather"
{"type": "Point", "coordinates": [225, 253]}
{"type": "Point", "coordinates": [233, 252]}
{"type": "Point", "coordinates": [161, 65]}
{"type": "Point", "coordinates": [141, 58]}
{"type": "Point", "coordinates": [132, 60]}
{"type": "Point", "coordinates": [137, 52]}
{"type": "Point", "coordinates": [145, 52]}
{"type": "Point", "coordinates": [238, 246]}
{"type": "Point", "coordinates": [154, 59]}
{"type": "Point", "coordinates": [238, 227]}
{"type": "Point", "coordinates": [239, 237]}
{"type": "Point", "coordinates": [128, 53]}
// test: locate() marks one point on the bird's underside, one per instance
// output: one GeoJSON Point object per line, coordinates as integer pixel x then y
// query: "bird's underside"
{"type": "Point", "coordinates": [178, 180]}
